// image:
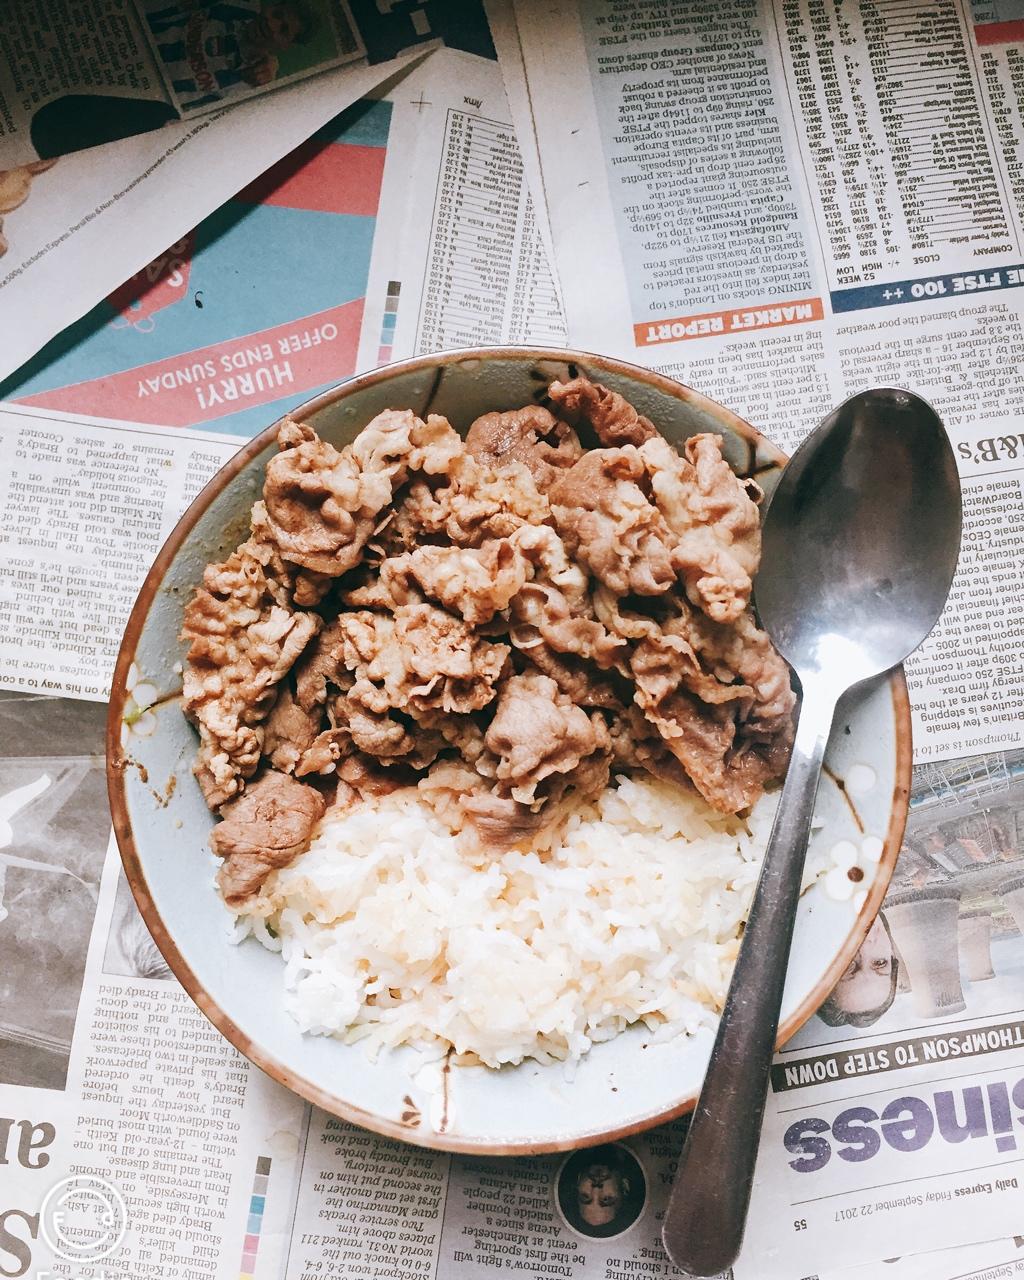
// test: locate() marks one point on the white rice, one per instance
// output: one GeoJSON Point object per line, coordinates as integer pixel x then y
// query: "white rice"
{"type": "Point", "coordinates": [390, 932]}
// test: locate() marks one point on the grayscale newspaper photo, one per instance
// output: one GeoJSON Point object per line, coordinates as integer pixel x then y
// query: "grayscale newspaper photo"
{"type": "Point", "coordinates": [382, 807]}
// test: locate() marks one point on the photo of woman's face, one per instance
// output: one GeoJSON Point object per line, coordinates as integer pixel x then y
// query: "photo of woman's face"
{"type": "Point", "coordinates": [868, 979]}
{"type": "Point", "coordinates": [599, 1194]}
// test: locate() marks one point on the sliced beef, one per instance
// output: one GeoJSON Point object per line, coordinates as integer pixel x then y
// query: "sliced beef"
{"type": "Point", "coordinates": [476, 503]}
{"type": "Point", "coordinates": [609, 526]}
{"type": "Point", "coordinates": [536, 731]}
{"type": "Point", "coordinates": [289, 733]}
{"type": "Point", "coordinates": [266, 827]}
{"type": "Point", "coordinates": [420, 659]}
{"type": "Point", "coordinates": [473, 582]}
{"type": "Point", "coordinates": [498, 621]}
{"type": "Point", "coordinates": [531, 437]}
{"type": "Point", "coordinates": [613, 418]}
{"type": "Point", "coordinates": [320, 504]}
{"type": "Point", "coordinates": [716, 530]}
{"type": "Point", "coordinates": [241, 645]}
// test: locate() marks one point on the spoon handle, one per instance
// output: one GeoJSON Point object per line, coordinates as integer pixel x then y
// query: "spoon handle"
{"type": "Point", "coordinates": [708, 1208]}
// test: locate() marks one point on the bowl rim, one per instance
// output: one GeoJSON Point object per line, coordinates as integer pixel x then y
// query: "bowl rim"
{"type": "Point", "coordinates": [117, 764]}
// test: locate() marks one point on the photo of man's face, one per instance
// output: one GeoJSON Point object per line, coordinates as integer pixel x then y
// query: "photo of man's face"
{"type": "Point", "coordinates": [601, 1192]}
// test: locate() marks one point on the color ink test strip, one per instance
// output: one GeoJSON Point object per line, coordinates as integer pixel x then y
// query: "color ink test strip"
{"type": "Point", "coordinates": [387, 328]}
{"type": "Point", "coordinates": [254, 1222]}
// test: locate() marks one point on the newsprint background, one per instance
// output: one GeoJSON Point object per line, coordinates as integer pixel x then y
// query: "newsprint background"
{"type": "Point", "coordinates": [894, 1120]}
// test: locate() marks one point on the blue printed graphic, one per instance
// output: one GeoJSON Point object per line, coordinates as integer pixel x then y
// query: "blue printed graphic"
{"type": "Point", "coordinates": [252, 266]}
{"type": "Point", "coordinates": [955, 285]}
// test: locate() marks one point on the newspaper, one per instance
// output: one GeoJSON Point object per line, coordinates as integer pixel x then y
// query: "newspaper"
{"type": "Point", "coordinates": [87, 505]}
{"type": "Point", "coordinates": [472, 267]}
{"type": "Point", "coordinates": [997, 1260]}
{"type": "Point", "coordinates": [74, 225]}
{"type": "Point", "coordinates": [217, 1170]}
{"type": "Point", "coordinates": [76, 74]}
{"type": "Point", "coordinates": [202, 1165]}
{"type": "Point", "coordinates": [194, 1156]}
{"type": "Point", "coordinates": [180, 343]}
{"type": "Point", "coordinates": [505, 33]}
{"type": "Point", "coordinates": [893, 1115]}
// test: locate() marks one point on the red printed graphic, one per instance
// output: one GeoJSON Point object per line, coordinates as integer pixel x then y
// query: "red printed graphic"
{"type": "Point", "coordinates": [1000, 32]}
{"type": "Point", "coordinates": [203, 385]}
{"type": "Point", "coordinates": [331, 178]}
{"type": "Point", "coordinates": [736, 320]}
{"type": "Point", "coordinates": [159, 284]}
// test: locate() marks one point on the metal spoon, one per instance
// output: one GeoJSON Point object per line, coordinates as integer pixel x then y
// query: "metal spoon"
{"type": "Point", "coordinates": [859, 548]}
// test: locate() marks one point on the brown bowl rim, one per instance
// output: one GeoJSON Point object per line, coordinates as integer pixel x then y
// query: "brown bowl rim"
{"type": "Point", "coordinates": [116, 767]}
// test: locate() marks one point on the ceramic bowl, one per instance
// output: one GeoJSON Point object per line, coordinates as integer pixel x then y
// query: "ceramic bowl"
{"type": "Point", "coordinates": [162, 822]}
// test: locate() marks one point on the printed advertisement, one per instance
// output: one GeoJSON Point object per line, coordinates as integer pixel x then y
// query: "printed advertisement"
{"type": "Point", "coordinates": [213, 51]}
{"type": "Point", "coordinates": [238, 319]}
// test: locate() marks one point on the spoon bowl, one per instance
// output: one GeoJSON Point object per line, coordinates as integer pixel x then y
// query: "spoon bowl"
{"type": "Point", "coordinates": [860, 544]}
{"type": "Point", "coordinates": [861, 537]}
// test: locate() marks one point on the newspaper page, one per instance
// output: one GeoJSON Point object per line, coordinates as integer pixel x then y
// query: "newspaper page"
{"type": "Point", "coordinates": [76, 74]}
{"type": "Point", "coordinates": [68, 69]}
{"type": "Point", "coordinates": [996, 1260]}
{"type": "Point", "coordinates": [915, 1058]}
{"type": "Point", "coordinates": [115, 1093]}
{"type": "Point", "coordinates": [210, 53]}
{"type": "Point", "coordinates": [505, 33]}
{"type": "Point", "coordinates": [133, 1138]}
{"type": "Point", "coordinates": [792, 202]}
{"type": "Point", "coordinates": [260, 1185]}
{"type": "Point", "coordinates": [893, 1114]}
{"type": "Point", "coordinates": [73, 230]}
{"type": "Point", "coordinates": [466, 264]}
{"type": "Point", "coordinates": [181, 343]}
{"type": "Point", "coordinates": [117, 1096]}
{"type": "Point", "coordinates": [239, 319]}
{"type": "Point", "coordinates": [87, 505]}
